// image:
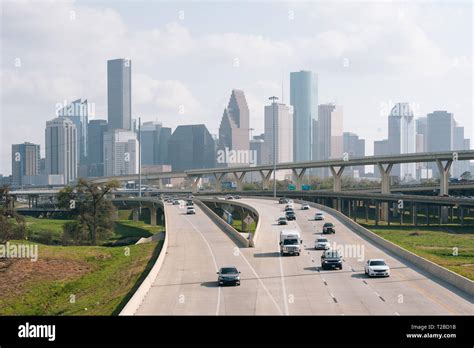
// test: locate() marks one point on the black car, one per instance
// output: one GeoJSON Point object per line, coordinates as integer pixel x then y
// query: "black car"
{"type": "Point", "coordinates": [331, 259]}
{"type": "Point", "coordinates": [189, 203]}
{"type": "Point", "coordinates": [328, 227]}
{"type": "Point", "coordinates": [289, 209]}
{"type": "Point", "coordinates": [228, 275]}
{"type": "Point", "coordinates": [283, 200]}
{"type": "Point", "coordinates": [282, 221]}
{"type": "Point", "coordinates": [237, 197]}
{"type": "Point", "coordinates": [290, 215]}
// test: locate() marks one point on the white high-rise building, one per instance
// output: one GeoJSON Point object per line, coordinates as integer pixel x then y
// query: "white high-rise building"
{"type": "Point", "coordinates": [62, 149]}
{"type": "Point", "coordinates": [282, 115]}
{"type": "Point", "coordinates": [121, 151]}
{"type": "Point", "coordinates": [402, 139]}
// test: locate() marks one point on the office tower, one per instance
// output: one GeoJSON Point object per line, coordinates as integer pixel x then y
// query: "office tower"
{"type": "Point", "coordinates": [440, 129]}
{"type": "Point", "coordinates": [191, 147]}
{"type": "Point", "coordinates": [119, 94]}
{"type": "Point", "coordinates": [422, 134]}
{"type": "Point", "coordinates": [78, 113]}
{"type": "Point", "coordinates": [256, 146]}
{"type": "Point", "coordinates": [62, 149]}
{"type": "Point", "coordinates": [459, 144]}
{"type": "Point", "coordinates": [353, 146]}
{"type": "Point", "coordinates": [278, 136]}
{"type": "Point", "coordinates": [25, 161]}
{"type": "Point", "coordinates": [401, 139]}
{"type": "Point", "coordinates": [304, 99]}
{"type": "Point", "coordinates": [154, 140]}
{"type": "Point", "coordinates": [329, 134]}
{"type": "Point", "coordinates": [121, 151]}
{"type": "Point", "coordinates": [95, 139]}
{"type": "Point", "coordinates": [234, 127]}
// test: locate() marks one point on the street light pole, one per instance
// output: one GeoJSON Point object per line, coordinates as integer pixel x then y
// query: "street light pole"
{"type": "Point", "coordinates": [273, 99]}
{"type": "Point", "coordinates": [139, 157]}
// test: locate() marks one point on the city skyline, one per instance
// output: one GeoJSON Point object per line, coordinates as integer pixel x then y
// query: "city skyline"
{"type": "Point", "coordinates": [156, 86]}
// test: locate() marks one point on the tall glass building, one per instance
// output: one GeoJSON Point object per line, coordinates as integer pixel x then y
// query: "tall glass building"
{"type": "Point", "coordinates": [304, 99]}
{"type": "Point", "coordinates": [119, 94]}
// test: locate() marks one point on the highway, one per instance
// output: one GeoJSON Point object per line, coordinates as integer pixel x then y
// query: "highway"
{"type": "Point", "coordinates": [290, 285]}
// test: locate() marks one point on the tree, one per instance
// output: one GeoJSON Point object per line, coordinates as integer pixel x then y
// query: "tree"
{"type": "Point", "coordinates": [94, 211]}
{"type": "Point", "coordinates": [12, 224]}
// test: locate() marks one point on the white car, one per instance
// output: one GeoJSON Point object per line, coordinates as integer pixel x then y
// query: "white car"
{"type": "Point", "coordinates": [319, 216]}
{"type": "Point", "coordinates": [322, 244]}
{"type": "Point", "coordinates": [305, 207]}
{"type": "Point", "coordinates": [190, 210]}
{"type": "Point", "coordinates": [377, 268]}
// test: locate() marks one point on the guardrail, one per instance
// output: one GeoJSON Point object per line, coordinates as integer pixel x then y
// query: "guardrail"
{"type": "Point", "coordinates": [444, 274]}
{"type": "Point", "coordinates": [137, 299]}
{"type": "Point", "coordinates": [232, 232]}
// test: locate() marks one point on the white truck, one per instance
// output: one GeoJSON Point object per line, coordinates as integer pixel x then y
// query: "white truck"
{"type": "Point", "coordinates": [290, 242]}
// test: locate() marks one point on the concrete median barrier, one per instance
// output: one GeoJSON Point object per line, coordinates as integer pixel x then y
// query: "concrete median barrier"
{"type": "Point", "coordinates": [232, 232]}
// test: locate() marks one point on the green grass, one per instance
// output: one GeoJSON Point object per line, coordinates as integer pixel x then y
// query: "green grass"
{"type": "Point", "coordinates": [237, 224]}
{"type": "Point", "coordinates": [435, 243]}
{"type": "Point", "coordinates": [107, 280]}
{"type": "Point", "coordinates": [36, 228]}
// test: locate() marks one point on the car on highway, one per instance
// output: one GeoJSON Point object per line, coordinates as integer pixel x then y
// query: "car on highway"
{"type": "Point", "coordinates": [319, 216]}
{"type": "Point", "coordinates": [328, 228]}
{"type": "Point", "coordinates": [228, 275]}
{"type": "Point", "coordinates": [229, 198]}
{"type": "Point", "coordinates": [283, 200]}
{"type": "Point", "coordinates": [289, 208]}
{"type": "Point", "coordinates": [331, 259]}
{"type": "Point", "coordinates": [189, 203]}
{"type": "Point", "coordinates": [290, 215]}
{"type": "Point", "coordinates": [175, 202]}
{"type": "Point", "coordinates": [377, 268]}
{"type": "Point", "coordinates": [190, 210]}
{"type": "Point", "coordinates": [322, 244]}
{"type": "Point", "coordinates": [282, 221]}
{"type": "Point", "coordinates": [304, 206]}
{"type": "Point", "coordinates": [237, 197]}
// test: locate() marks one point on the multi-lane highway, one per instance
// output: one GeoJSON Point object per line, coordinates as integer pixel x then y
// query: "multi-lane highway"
{"type": "Point", "coordinates": [272, 284]}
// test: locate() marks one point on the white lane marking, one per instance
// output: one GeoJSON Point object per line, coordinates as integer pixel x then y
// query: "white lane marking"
{"type": "Point", "coordinates": [261, 283]}
{"type": "Point", "coordinates": [396, 313]}
{"type": "Point", "coordinates": [215, 263]}
{"type": "Point", "coordinates": [285, 299]}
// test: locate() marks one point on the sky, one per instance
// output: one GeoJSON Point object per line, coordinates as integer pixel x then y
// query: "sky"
{"type": "Point", "coordinates": [187, 56]}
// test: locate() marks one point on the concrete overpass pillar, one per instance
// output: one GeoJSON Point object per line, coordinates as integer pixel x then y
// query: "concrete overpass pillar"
{"type": "Point", "coordinates": [136, 214]}
{"type": "Point", "coordinates": [240, 180]}
{"type": "Point", "coordinates": [336, 175]}
{"type": "Point", "coordinates": [219, 177]}
{"type": "Point", "coordinates": [196, 181]}
{"type": "Point", "coordinates": [443, 176]}
{"type": "Point", "coordinates": [266, 178]}
{"type": "Point", "coordinates": [160, 183]}
{"type": "Point", "coordinates": [298, 177]}
{"type": "Point", "coordinates": [153, 214]}
{"type": "Point", "coordinates": [385, 189]}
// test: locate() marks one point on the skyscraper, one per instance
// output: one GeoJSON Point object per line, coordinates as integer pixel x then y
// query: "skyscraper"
{"type": "Point", "coordinates": [278, 133]}
{"type": "Point", "coordinates": [78, 113]}
{"type": "Point", "coordinates": [154, 143]}
{"type": "Point", "coordinates": [62, 148]}
{"type": "Point", "coordinates": [25, 161]}
{"type": "Point", "coordinates": [440, 128]}
{"type": "Point", "coordinates": [119, 93]}
{"type": "Point", "coordinates": [354, 147]}
{"type": "Point", "coordinates": [191, 147]}
{"type": "Point", "coordinates": [95, 139]}
{"type": "Point", "coordinates": [401, 139]}
{"type": "Point", "coordinates": [121, 151]}
{"type": "Point", "coordinates": [234, 127]}
{"type": "Point", "coordinates": [304, 99]}
{"type": "Point", "coordinates": [329, 134]}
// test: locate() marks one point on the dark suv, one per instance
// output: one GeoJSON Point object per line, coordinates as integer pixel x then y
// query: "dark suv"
{"type": "Point", "coordinates": [290, 215]}
{"type": "Point", "coordinates": [328, 227]}
{"type": "Point", "coordinates": [228, 275]}
{"type": "Point", "coordinates": [331, 259]}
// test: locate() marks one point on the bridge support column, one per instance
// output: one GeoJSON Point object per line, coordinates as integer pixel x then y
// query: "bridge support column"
{"type": "Point", "coordinates": [196, 182]}
{"type": "Point", "coordinates": [153, 214]}
{"type": "Point", "coordinates": [160, 183]}
{"type": "Point", "coordinates": [266, 178]}
{"type": "Point", "coordinates": [136, 214]}
{"type": "Point", "coordinates": [336, 175]}
{"type": "Point", "coordinates": [385, 189]}
{"type": "Point", "coordinates": [219, 177]}
{"type": "Point", "coordinates": [298, 177]}
{"type": "Point", "coordinates": [443, 176]}
{"type": "Point", "coordinates": [240, 180]}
